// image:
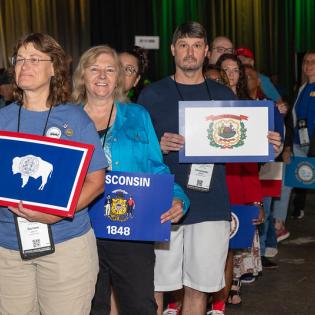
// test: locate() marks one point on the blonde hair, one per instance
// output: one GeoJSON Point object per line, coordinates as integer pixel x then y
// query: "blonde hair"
{"type": "Point", "coordinates": [79, 94]}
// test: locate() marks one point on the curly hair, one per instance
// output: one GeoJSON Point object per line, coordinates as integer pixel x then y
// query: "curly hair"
{"type": "Point", "coordinates": [142, 58]}
{"type": "Point", "coordinates": [59, 90]}
{"type": "Point", "coordinates": [241, 86]}
{"type": "Point", "coordinates": [79, 94]}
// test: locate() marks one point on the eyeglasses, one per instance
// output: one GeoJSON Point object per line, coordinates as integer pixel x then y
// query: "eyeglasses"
{"type": "Point", "coordinates": [110, 71]}
{"type": "Point", "coordinates": [231, 71]}
{"type": "Point", "coordinates": [130, 70]}
{"type": "Point", "coordinates": [223, 50]}
{"type": "Point", "coordinates": [18, 61]}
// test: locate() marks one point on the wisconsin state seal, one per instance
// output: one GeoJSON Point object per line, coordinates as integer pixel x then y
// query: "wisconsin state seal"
{"type": "Point", "coordinates": [119, 206]}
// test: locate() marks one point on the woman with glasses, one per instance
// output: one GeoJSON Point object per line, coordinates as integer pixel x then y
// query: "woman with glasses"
{"type": "Point", "coordinates": [135, 64]}
{"type": "Point", "coordinates": [60, 282]}
{"type": "Point", "coordinates": [130, 145]}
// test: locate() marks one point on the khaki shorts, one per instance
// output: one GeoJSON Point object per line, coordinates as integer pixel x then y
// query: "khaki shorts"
{"type": "Point", "coordinates": [62, 283]}
{"type": "Point", "coordinates": [195, 257]}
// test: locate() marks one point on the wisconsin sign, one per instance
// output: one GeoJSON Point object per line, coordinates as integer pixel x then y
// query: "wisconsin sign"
{"type": "Point", "coordinates": [132, 205]}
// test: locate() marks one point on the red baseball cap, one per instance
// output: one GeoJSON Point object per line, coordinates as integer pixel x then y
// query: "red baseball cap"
{"type": "Point", "coordinates": [244, 52]}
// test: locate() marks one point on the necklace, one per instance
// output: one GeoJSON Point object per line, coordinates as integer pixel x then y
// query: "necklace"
{"type": "Point", "coordinates": [108, 122]}
{"type": "Point", "coordinates": [19, 120]}
{"type": "Point", "coordinates": [181, 95]}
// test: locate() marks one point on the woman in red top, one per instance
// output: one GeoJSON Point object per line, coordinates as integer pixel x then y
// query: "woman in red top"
{"type": "Point", "coordinates": [245, 189]}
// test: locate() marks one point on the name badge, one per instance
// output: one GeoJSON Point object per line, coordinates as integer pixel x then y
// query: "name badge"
{"type": "Point", "coordinates": [303, 132]}
{"type": "Point", "coordinates": [34, 238]}
{"type": "Point", "coordinates": [200, 177]}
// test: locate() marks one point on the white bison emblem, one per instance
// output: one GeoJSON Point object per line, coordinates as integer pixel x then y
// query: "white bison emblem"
{"type": "Point", "coordinates": [33, 166]}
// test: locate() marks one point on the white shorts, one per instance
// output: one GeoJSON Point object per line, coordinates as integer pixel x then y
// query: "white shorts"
{"type": "Point", "coordinates": [195, 257]}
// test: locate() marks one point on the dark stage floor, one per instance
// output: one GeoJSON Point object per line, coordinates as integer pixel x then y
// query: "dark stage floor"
{"type": "Point", "coordinates": [290, 289]}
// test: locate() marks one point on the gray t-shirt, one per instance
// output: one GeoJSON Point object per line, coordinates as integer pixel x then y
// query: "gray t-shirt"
{"type": "Point", "coordinates": [63, 117]}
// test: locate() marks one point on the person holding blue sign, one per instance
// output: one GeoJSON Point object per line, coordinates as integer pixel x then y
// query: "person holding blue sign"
{"type": "Point", "coordinates": [58, 277]}
{"type": "Point", "coordinates": [130, 145]}
{"type": "Point", "coordinates": [304, 122]}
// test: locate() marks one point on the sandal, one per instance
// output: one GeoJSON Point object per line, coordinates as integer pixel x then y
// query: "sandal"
{"type": "Point", "coordinates": [234, 295]}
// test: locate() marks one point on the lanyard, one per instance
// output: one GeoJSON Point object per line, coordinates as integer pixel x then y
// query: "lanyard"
{"type": "Point", "coordinates": [19, 120]}
{"type": "Point", "coordinates": [108, 122]}
{"type": "Point", "coordinates": [181, 95]}
{"type": "Point", "coordinates": [39, 243]}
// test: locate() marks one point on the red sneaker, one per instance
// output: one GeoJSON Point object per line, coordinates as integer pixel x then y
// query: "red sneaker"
{"type": "Point", "coordinates": [172, 309]}
{"type": "Point", "coordinates": [282, 234]}
{"type": "Point", "coordinates": [218, 308]}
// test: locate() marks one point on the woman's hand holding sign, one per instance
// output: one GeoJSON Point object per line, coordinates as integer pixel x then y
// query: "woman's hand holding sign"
{"type": "Point", "coordinates": [175, 213]}
{"type": "Point", "coordinates": [34, 216]}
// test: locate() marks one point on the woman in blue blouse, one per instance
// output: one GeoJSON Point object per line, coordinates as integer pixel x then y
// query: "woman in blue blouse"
{"type": "Point", "coordinates": [130, 144]}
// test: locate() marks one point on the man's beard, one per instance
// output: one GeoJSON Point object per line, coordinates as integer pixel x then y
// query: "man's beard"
{"type": "Point", "coordinates": [190, 67]}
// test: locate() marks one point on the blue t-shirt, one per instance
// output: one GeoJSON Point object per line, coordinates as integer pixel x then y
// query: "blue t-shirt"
{"type": "Point", "coordinates": [305, 109]}
{"type": "Point", "coordinates": [268, 88]}
{"type": "Point", "coordinates": [161, 99]}
{"type": "Point", "coordinates": [64, 117]}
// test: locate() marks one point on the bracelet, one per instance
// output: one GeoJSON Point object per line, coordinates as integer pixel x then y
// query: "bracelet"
{"type": "Point", "coordinates": [258, 203]}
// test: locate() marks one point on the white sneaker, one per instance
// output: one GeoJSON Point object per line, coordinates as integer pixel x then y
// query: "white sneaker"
{"type": "Point", "coordinates": [215, 312]}
{"type": "Point", "coordinates": [301, 216]}
{"type": "Point", "coordinates": [271, 252]}
{"type": "Point", "coordinates": [170, 311]}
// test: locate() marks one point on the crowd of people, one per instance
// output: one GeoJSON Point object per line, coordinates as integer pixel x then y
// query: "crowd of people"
{"type": "Point", "coordinates": [195, 273]}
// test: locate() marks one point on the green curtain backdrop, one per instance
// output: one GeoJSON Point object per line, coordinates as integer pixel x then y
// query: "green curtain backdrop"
{"type": "Point", "coordinates": [276, 30]}
{"type": "Point", "coordinates": [65, 20]}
